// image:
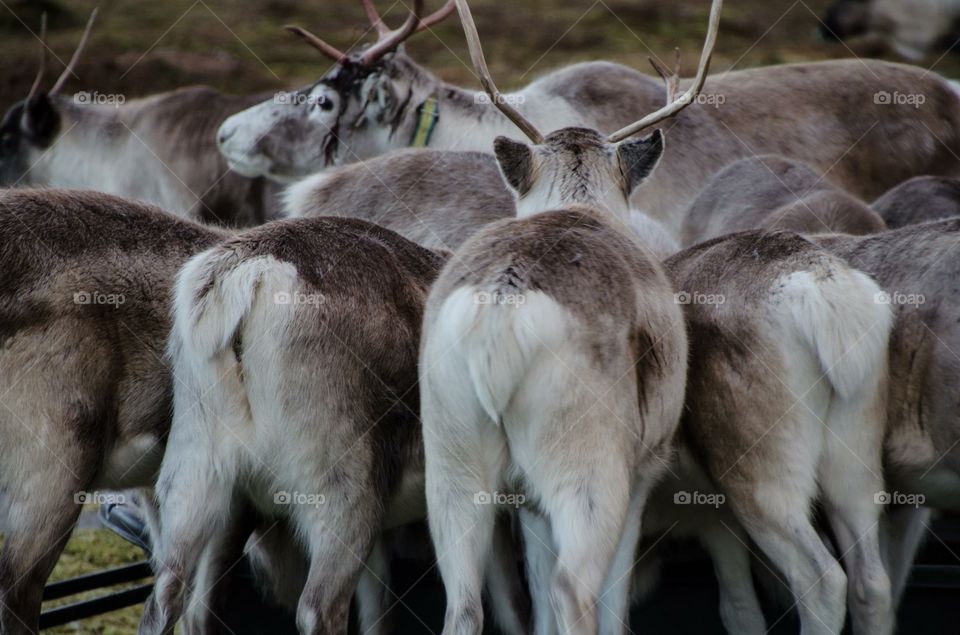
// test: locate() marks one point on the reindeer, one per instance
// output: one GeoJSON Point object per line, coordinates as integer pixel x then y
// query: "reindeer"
{"type": "Point", "coordinates": [918, 273]}
{"type": "Point", "coordinates": [436, 198]}
{"type": "Point", "coordinates": [911, 28]}
{"type": "Point", "coordinates": [494, 372]}
{"type": "Point", "coordinates": [378, 99]}
{"type": "Point", "coordinates": [295, 344]}
{"type": "Point", "coordinates": [87, 393]}
{"type": "Point", "coordinates": [919, 200]}
{"type": "Point", "coordinates": [160, 149]}
{"type": "Point", "coordinates": [775, 193]}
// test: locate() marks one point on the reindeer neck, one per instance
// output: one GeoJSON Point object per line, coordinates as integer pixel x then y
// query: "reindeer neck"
{"type": "Point", "coordinates": [462, 119]}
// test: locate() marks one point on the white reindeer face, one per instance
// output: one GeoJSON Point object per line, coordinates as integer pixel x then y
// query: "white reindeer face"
{"type": "Point", "coordinates": [577, 166]}
{"type": "Point", "coordinates": [289, 136]}
{"type": "Point", "coordinates": [26, 130]}
{"type": "Point", "coordinates": [344, 117]}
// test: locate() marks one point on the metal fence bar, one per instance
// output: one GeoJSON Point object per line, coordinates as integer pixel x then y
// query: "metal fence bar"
{"type": "Point", "coordinates": [98, 606]}
{"type": "Point", "coordinates": [98, 580]}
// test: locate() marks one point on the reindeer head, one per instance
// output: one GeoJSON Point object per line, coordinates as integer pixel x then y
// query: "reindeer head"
{"type": "Point", "coordinates": [362, 97]}
{"type": "Point", "coordinates": [578, 165]}
{"type": "Point", "coordinates": [32, 125]}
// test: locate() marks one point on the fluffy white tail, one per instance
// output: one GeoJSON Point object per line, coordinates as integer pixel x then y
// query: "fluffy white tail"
{"type": "Point", "coordinates": [499, 335]}
{"type": "Point", "coordinates": [843, 318]}
{"type": "Point", "coordinates": [215, 290]}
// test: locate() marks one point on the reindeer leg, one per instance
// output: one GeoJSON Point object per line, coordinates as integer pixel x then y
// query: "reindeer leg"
{"type": "Point", "coordinates": [40, 519]}
{"type": "Point", "coordinates": [465, 456]}
{"type": "Point", "coordinates": [373, 591]}
{"type": "Point", "coordinates": [780, 525]}
{"type": "Point", "coordinates": [211, 581]}
{"type": "Point", "coordinates": [540, 555]}
{"type": "Point", "coordinates": [615, 601]}
{"type": "Point", "coordinates": [340, 535]}
{"type": "Point", "coordinates": [904, 530]}
{"type": "Point", "coordinates": [502, 581]}
{"type": "Point", "coordinates": [739, 605]}
{"type": "Point", "coordinates": [194, 504]}
{"type": "Point", "coordinates": [852, 477]}
{"type": "Point", "coordinates": [587, 510]}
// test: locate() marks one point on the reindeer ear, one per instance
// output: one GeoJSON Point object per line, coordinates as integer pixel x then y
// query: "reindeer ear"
{"type": "Point", "coordinates": [382, 99]}
{"type": "Point", "coordinates": [638, 158]}
{"type": "Point", "coordinates": [40, 120]}
{"type": "Point", "coordinates": [516, 163]}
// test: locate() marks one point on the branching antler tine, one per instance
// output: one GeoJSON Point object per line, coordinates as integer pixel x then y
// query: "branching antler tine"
{"type": "Point", "coordinates": [68, 71]}
{"type": "Point", "coordinates": [480, 65]}
{"type": "Point", "coordinates": [671, 79]}
{"type": "Point", "coordinates": [686, 98]}
{"type": "Point", "coordinates": [330, 51]}
{"type": "Point", "coordinates": [437, 16]}
{"type": "Point", "coordinates": [392, 39]}
{"type": "Point", "coordinates": [374, 16]}
{"type": "Point", "coordinates": [35, 88]}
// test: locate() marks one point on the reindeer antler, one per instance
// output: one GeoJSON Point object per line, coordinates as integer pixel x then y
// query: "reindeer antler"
{"type": "Point", "coordinates": [387, 39]}
{"type": "Point", "coordinates": [670, 78]}
{"type": "Point", "coordinates": [676, 105]}
{"type": "Point", "coordinates": [35, 88]}
{"type": "Point", "coordinates": [480, 65]}
{"type": "Point", "coordinates": [68, 71]}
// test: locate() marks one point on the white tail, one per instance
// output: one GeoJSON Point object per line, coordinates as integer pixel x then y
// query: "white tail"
{"type": "Point", "coordinates": [498, 340]}
{"type": "Point", "coordinates": [844, 320]}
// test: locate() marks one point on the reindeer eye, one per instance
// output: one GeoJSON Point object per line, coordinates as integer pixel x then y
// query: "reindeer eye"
{"type": "Point", "coordinates": [323, 103]}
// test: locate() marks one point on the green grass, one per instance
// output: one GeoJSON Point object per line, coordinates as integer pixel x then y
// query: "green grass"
{"type": "Point", "coordinates": [89, 551]}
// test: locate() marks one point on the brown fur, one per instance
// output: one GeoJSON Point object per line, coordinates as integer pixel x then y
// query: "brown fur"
{"type": "Point", "coordinates": [81, 381]}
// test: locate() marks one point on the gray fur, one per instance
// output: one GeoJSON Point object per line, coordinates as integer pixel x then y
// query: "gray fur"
{"type": "Point", "coordinates": [828, 117]}
{"type": "Point", "coordinates": [523, 423]}
{"type": "Point", "coordinates": [919, 200]}
{"type": "Point", "coordinates": [159, 149]}
{"type": "Point", "coordinates": [775, 193]}
{"type": "Point", "coordinates": [923, 423]}
{"type": "Point", "coordinates": [432, 197]}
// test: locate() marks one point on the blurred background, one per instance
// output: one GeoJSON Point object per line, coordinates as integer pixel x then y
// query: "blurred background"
{"type": "Point", "coordinates": [139, 47]}
{"type": "Point", "coordinates": [143, 46]}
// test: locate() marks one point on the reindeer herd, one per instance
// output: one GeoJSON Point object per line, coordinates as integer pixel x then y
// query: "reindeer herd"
{"type": "Point", "coordinates": [395, 296]}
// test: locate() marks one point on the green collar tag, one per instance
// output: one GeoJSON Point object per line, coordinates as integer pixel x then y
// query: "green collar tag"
{"type": "Point", "coordinates": [427, 115]}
